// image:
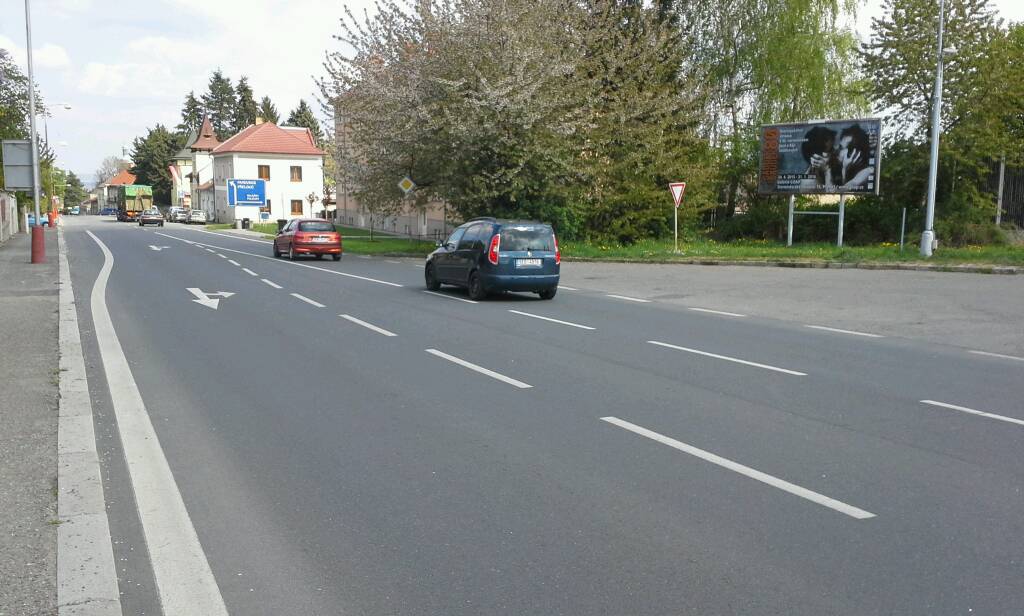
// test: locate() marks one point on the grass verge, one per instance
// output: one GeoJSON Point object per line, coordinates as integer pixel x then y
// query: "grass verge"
{"type": "Point", "coordinates": [357, 241]}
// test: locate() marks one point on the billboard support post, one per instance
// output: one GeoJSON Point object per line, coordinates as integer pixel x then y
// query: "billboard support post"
{"type": "Point", "coordinates": [842, 215]}
{"type": "Point", "coordinates": [903, 229]}
{"type": "Point", "coordinates": [789, 224]}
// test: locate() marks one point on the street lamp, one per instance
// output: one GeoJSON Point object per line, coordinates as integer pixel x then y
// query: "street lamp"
{"type": "Point", "coordinates": [38, 239]}
{"type": "Point", "coordinates": [928, 235]}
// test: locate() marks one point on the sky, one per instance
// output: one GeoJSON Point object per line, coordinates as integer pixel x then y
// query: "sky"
{"type": "Point", "coordinates": [124, 66]}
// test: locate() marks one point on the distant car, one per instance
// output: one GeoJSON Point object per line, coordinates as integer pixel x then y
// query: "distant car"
{"type": "Point", "coordinates": [196, 217]}
{"type": "Point", "coordinates": [108, 211]}
{"type": "Point", "coordinates": [151, 216]}
{"type": "Point", "coordinates": [304, 236]}
{"type": "Point", "coordinates": [74, 210]}
{"type": "Point", "coordinates": [44, 221]}
{"type": "Point", "coordinates": [488, 254]}
{"type": "Point", "coordinates": [176, 214]}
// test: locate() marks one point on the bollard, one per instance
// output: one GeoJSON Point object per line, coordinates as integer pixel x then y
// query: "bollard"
{"type": "Point", "coordinates": [38, 244]}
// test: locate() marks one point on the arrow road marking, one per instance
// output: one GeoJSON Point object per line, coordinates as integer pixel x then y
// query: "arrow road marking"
{"type": "Point", "coordinates": [203, 298]}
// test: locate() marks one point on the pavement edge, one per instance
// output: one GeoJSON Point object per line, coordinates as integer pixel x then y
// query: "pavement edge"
{"type": "Point", "coordinates": [86, 574]}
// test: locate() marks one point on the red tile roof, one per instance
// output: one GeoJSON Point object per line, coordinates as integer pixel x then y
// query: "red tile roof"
{"type": "Point", "coordinates": [124, 177]}
{"type": "Point", "coordinates": [207, 138]}
{"type": "Point", "coordinates": [268, 138]}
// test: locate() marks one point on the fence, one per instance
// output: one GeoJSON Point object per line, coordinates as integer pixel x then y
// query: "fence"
{"type": "Point", "coordinates": [1013, 195]}
{"type": "Point", "coordinates": [8, 216]}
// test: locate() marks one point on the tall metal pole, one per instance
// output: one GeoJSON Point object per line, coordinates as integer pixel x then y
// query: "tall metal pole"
{"type": "Point", "coordinates": [789, 221]}
{"type": "Point", "coordinates": [842, 216]}
{"type": "Point", "coordinates": [928, 235]}
{"type": "Point", "coordinates": [38, 239]}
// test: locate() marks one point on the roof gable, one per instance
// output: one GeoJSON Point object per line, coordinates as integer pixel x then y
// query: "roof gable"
{"type": "Point", "coordinates": [123, 177]}
{"type": "Point", "coordinates": [269, 138]}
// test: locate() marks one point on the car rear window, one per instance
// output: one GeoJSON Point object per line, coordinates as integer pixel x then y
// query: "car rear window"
{"type": "Point", "coordinates": [527, 238]}
{"type": "Point", "coordinates": [316, 226]}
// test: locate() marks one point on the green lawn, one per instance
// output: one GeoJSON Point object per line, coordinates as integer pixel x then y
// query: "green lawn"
{"type": "Point", "coordinates": [357, 241]}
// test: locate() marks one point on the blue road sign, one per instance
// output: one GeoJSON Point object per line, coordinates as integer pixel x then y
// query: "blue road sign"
{"type": "Point", "coordinates": [247, 192]}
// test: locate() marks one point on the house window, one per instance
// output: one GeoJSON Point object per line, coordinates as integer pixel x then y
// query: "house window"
{"type": "Point", "coordinates": [263, 171]}
{"type": "Point", "coordinates": [297, 207]}
{"type": "Point", "coordinates": [296, 173]}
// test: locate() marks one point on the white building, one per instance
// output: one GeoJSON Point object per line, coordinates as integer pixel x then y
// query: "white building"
{"type": "Point", "coordinates": [181, 170]}
{"type": "Point", "coordinates": [286, 157]}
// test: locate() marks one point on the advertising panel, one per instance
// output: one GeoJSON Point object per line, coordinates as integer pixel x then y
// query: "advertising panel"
{"type": "Point", "coordinates": [246, 192]}
{"type": "Point", "coordinates": [821, 158]}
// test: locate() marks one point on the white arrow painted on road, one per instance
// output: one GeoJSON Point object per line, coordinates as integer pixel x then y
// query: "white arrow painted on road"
{"type": "Point", "coordinates": [157, 248]}
{"type": "Point", "coordinates": [203, 298]}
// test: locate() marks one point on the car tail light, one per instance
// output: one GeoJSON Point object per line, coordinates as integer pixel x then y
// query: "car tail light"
{"type": "Point", "coordinates": [492, 252]}
{"type": "Point", "coordinates": [301, 237]}
{"type": "Point", "coordinates": [558, 253]}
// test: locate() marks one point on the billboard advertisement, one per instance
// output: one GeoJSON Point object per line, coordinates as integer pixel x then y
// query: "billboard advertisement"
{"type": "Point", "coordinates": [247, 192]}
{"type": "Point", "coordinates": [821, 158]}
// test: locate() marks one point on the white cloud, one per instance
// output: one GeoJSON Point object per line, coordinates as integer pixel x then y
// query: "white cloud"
{"type": "Point", "coordinates": [48, 56]}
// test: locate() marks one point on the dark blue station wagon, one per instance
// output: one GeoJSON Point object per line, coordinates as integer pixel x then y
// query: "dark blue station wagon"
{"type": "Point", "coordinates": [488, 255]}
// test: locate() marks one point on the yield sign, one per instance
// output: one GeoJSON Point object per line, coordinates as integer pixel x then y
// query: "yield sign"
{"type": "Point", "coordinates": [677, 189]}
{"type": "Point", "coordinates": [203, 298]}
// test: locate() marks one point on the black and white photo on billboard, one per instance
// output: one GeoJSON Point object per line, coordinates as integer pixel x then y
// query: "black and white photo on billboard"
{"type": "Point", "coordinates": [820, 158]}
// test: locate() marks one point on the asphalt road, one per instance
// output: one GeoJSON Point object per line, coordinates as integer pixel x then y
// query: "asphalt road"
{"type": "Point", "coordinates": [624, 458]}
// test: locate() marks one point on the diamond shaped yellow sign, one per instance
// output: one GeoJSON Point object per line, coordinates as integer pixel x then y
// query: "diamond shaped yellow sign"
{"type": "Point", "coordinates": [407, 185]}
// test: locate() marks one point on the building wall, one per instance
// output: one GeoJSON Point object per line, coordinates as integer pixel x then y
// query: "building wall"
{"type": "Point", "coordinates": [280, 189]}
{"type": "Point", "coordinates": [8, 216]}
{"type": "Point", "coordinates": [181, 191]}
{"type": "Point", "coordinates": [202, 167]}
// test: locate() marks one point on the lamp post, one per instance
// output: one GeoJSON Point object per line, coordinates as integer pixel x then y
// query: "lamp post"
{"type": "Point", "coordinates": [928, 235]}
{"type": "Point", "coordinates": [38, 239]}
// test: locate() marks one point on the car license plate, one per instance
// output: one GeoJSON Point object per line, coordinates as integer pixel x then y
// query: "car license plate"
{"type": "Point", "coordinates": [527, 262]}
{"type": "Point", "coordinates": [321, 240]}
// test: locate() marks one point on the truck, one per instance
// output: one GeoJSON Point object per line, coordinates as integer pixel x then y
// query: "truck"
{"type": "Point", "coordinates": [132, 199]}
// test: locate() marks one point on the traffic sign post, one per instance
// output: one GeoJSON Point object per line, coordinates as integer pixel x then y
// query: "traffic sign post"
{"type": "Point", "coordinates": [677, 189]}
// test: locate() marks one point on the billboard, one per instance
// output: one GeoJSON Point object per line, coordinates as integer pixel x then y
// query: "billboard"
{"type": "Point", "coordinates": [247, 192]}
{"type": "Point", "coordinates": [821, 158]}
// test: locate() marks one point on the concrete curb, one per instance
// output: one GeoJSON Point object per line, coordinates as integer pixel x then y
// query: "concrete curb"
{"type": "Point", "coordinates": [86, 576]}
{"type": "Point", "coordinates": [870, 265]}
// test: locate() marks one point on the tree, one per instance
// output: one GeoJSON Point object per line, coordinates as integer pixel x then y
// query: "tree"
{"type": "Point", "coordinates": [109, 167]}
{"type": "Point", "coordinates": [220, 103]}
{"type": "Point", "coordinates": [268, 111]}
{"type": "Point", "coordinates": [303, 116]}
{"type": "Point", "coordinates": [151, 158]}
{"type": "Point", "coordinates": [246, 109]}
{"type": "Point", "coordinates": [191, 115]}
{"type": "Point", "coordinates": [74, 192]}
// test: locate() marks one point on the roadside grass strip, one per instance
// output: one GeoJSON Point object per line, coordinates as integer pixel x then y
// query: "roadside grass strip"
{"type": "Point", "coordinates": [964, 409]}
{"type": "Point", "coordinates": [844, 331]}
{"type": "Point", "coordinates": [537, 316]}
{"type": "Point", "coordinates": [727, 358]}
{"type": "Point", "coordinates": [480, 369]}
{"type": "Point", "coordinates": [775, 482]}
{"type": "Point", "coordinates": [999, 355]}
{"type": "Point", "coordinates": [721, 312]}
{"type": "Point", "coordinates": [446, 296]}
{"type": "Point", "coordinates": [307, 300]}
{"type": "Point", "coordinates": [369, 326]}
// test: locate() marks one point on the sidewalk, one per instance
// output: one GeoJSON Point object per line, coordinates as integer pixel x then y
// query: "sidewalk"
{"type": "Point", "coordinates": [28, 428]}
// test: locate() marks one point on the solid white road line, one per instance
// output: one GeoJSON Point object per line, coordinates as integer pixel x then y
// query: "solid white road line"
{"type": "Point", "coordinates": [235, 263]}
{"type": "Point", "coordinates": [999, 355]}
{"type": "Point", "coordinates": [974, 412]}
{"type": "Point", "coordinates": [419, 265]}
{"type": "Point", "coordinates": [393, 261]}
{"type": "Point", "coordinates": [630, 299]}
{"type": "Point", "coordinates": [480, 369]}
{"type": "Point", "coordinates": [308, 301]}
{"type": "Point", "coordinates": [233, 236]}
{"type": "Point", "coordinates": [249, 271]}
{"type": "Point", "coordinates": [726, 358]}
{"type": "Point", "coordinates": [458, 299]}
{"type": "Point", "coordinates": [844, 331]}
{"type": "Point", "coordinates": [183, 577]}
{"type": "Point", "coordinates": [562, 286]}
{"type": "Point", "coordinates": [319, 269]}
{"type": "Point", "coordinates": [86, 574]}
{"type": "Point", "coordinates": [364, 256]}
{"type": "Point", "coordinates": [537, 316]}
{"type": "Point", "coordinates": [721, 312]}
{"type": "Point", "coordinates": [775, 482]}
{"type": "Point", "coordinates": [273, 284]}
{"type": "Point", "coordinates": [368, 326]}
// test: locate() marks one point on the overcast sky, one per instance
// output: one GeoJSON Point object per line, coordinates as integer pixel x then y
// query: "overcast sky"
{"type": "Point", "coordinates": [124, 66]}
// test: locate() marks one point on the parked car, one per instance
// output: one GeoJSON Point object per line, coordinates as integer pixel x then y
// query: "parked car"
{"type": "Point", "coordinates": [196, 217]}
{"type": "Point", "coordinates": [490, 255]}
{"type": "Point", "coordinates": [44, 220]}
{"type": "Point", "coordinates": [305, 236]}
{"type": "Point", "coordinates": [177, 214]}
{"type": "Point", "coordinates": [151, 216]}
{"type": "Point", "coordinates": [108, 211]}
{"type": "Point", "coordinates": [74, 210]}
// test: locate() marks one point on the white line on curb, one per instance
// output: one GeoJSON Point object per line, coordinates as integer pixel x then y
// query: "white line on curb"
{"type": "Point", "coordinates": [182, 573]}
{"type": "Point", "coordinates": [727, 358]}
{"type": "Point", "coordinates": [537, 316]}
{"type": "Point", "coordinates": [458, 299]}
{"type": "Point", "coordinates": [964, 409]}
{"type": "Point", "coordinates": [721, 312]}
{"type": "Point", "coordinates": [86, 574]}
{"type": "Point", "coordinates": [999, 355]}
{"type": "Point", "coordinates": [271, 283]}
{"type": "Point", "coordinates": [775, 482]}
{"type": "Point", "coordinates": [844, 331]}
{"type": "Point", "coordinates": [480, 369]}
{"type": "Point", "coordinates": [369, 326]}
{"type": "Point", "coordinates": [249, 271]}
{"type": "Point", "coordinates": [630, 299]}
{"type": "Point", "coordinates": [308, 301]}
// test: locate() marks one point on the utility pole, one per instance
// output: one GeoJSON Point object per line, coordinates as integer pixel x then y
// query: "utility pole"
{"type": "Point", "coordinates": [38, 239]}
{"type": "Point", "coordinates": [928, 235]}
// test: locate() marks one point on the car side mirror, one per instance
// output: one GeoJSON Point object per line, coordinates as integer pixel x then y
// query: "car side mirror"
{"type": "Point", "coordinates": [438, 243]}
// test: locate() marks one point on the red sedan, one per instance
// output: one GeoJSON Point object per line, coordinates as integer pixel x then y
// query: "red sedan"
{"type": "Point", "coordinates": [308, 236]}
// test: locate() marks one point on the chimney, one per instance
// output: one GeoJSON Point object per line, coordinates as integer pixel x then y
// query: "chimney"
{"type": "Point", "coordinates": [259, 120]}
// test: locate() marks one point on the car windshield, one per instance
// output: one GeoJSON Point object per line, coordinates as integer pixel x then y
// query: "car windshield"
{"type": "Point", "coordinates": [517, 238]}
{"type": "Point", "coordinates": [152, 212]}
{"type": "Point", "coordinates": [316, 226]}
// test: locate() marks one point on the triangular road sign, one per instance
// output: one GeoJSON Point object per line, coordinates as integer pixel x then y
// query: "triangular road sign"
{"type": "Point", "coordinates": [677, 189]}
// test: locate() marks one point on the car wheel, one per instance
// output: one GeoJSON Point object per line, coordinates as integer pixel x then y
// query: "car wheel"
{"type": "Point", "coordinates": [320, 256]}
{"type": "Point", "coordinates": [161, 224]}
{"type": "Point", "coordinates": [336, 257]}
{"type": "Point", "coordinates": [141, 225]}
{"type": "Point", "coordinates": [291, 252]}
{"type": "Point", "coordinates": [277, 253]}
{"type": "Point", "coordinates": [476, 287]}
{"type": "Point", "coordinates": [431, 278]}
{"type": "Point", "coordinates": [548, 293]}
